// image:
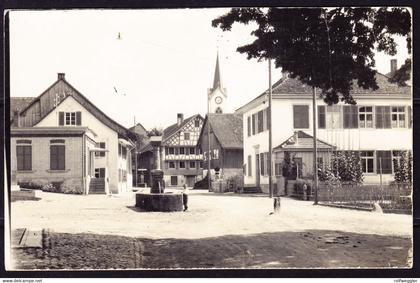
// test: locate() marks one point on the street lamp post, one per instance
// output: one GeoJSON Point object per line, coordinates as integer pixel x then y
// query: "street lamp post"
{"type": "Point", "coordinates": [270, 171]}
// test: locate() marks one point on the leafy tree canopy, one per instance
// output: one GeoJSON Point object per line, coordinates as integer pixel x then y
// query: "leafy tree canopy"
{"type": "Point", "coordinates": [325, 48]}
{"type": "Point", "coordinates": [155, 131]}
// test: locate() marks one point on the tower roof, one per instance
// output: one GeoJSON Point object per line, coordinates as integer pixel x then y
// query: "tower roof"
{"type": "Point", "coordinates": [217, 82]}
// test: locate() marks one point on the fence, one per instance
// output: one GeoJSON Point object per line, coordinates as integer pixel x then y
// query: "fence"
{"type": "Point", "coordinates": [392, 198]}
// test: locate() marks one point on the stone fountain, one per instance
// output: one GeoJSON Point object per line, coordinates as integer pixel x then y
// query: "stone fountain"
{"type": "Point", "coordinates": [157, 199]}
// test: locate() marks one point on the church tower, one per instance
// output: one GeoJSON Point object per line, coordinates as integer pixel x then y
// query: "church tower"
{"type": "Point", "coordinates": [217, 95]}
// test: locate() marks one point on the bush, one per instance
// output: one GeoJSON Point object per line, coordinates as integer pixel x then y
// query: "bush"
{"type": "Point", "coordinates": [50, 188]}
{"type": "Point", "coordinates": [235, 182]}
{"type": "Point", "coordinates": [33, 185]}
{"type": "Point", "coordinates": [71, 187]}
{"type": "Point", "coordinates": [345, 167]}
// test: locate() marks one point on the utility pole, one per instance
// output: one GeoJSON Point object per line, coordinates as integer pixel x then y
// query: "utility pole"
{"type": "Point", "coordinates": [315, 157]}
{"type": "Point", "coordinates": [270, 153]}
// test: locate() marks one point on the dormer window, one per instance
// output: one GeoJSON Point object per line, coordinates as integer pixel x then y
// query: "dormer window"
{"type": "Point", "coordinates": [70, 118]}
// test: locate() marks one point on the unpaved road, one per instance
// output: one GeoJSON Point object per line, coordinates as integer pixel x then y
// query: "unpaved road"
{"type": "Point", "coordinates": [228, 230]}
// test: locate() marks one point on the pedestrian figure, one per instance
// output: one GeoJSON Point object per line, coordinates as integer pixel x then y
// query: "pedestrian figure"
{"type": "Point", "coordinates": [185, 197]}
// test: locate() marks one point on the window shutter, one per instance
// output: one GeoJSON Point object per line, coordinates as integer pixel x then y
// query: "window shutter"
{"type": "Point", "coordinates": [61, 118]}
{"type": "Point", "coordinates": [260, 121]}
{"type": "Point", "coordinates": [254, 123]}
{"type": "Point", "coordinates": [53, 157]}
{"type": "Point", "coordinates": [354, 116]}
{"type": "Point", "coordinates": [28, 158]}
{"type": "Point", "coordinates": [61, 157]}
{"type": "Point", "coordinates": [409, 116]}
{"type": "Point", "coordinates": [346, 114]}
{"type": "Point", "coordinates": [384, 160]}
{"type": "Point", "coordinates": [19, 157]}
{"type": "Point", "coordinates": [300, 116]}
{"type": "Point", "coordinates": [262, 164]}
{"type": "Point", "coordinates": [387, 117]}
{"type": "Point", "coordinates": [78, 118]}
{"type": "Point", "coordinates": [321, 117]}
{"type": "Point", "coordinates": [379, 114]}
{"type": "Point", "coordinates": [249, 166]}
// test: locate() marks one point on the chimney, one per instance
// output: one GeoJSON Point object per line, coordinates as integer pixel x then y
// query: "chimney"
{"type": "Point", "coordinates": [180, 119]}
{"type": "Point", "coordinates": [393, 66]}
{"type": "Point", "coordinates": [61, 76]}
{"type": "Point", "coordinates": [16, 118]}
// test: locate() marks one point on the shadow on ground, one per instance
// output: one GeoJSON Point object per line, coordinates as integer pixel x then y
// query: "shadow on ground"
{"type": "Point", "coordinates": [306, 249]}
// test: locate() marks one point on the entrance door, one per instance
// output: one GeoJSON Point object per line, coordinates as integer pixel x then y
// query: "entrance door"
{"type": "Point", "coordinates": [190, 181]}
{"type": "Point", "coordinates": [257, 170]}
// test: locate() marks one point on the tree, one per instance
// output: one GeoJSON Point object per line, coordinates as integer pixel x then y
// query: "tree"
{"type": "Point", "coordinates": [155, 132]}
{"type": "Point", "coordinates": [345, 167]}
{"type": "Point", "coordinates": [328, 48]}
{"type": "Point", "coordinates": [402, 74]}
{"type": "Point", "coordinates": [403, 168]}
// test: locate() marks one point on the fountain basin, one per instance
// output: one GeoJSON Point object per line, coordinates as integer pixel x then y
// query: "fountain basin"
{"type": "Point", "coordinates": [165, 202]}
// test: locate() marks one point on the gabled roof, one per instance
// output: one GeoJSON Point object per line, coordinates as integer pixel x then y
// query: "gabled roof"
{"type": "Point", "coordinates": [227, 128]}
{"type": "Point", "coordinates": [172, 129]}
{"type": "Point", "coordinates": [18, 104]}
{"type": "Point", "coordinates": [291, 86]}
{"type": "Point", "coordinates": [139, 129]}
{"type": "Point", "coordinates": [95, 111]}
{"type": "Point", "coordinates": [302, 141]}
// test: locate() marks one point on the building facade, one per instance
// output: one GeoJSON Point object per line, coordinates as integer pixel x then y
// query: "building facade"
{"type": "Point", "coordinates": [225, 145]}
{"type": "Point", "coordinates": [378, 128]}
{"type": "Point", "coordinates": [181, 158]}
{"type": "Point", "coordinates": [61, 109]}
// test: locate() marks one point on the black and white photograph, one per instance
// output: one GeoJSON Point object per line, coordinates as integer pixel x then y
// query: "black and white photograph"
{"type": "Point", "coordinates": [263, 138]}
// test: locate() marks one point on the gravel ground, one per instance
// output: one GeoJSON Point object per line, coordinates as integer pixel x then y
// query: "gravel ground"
{"type": "Point", "coordinates": [227, 230]}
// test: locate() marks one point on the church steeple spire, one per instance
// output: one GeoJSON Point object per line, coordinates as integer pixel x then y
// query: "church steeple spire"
{"type": "Point", "coordinates": [217, 82]}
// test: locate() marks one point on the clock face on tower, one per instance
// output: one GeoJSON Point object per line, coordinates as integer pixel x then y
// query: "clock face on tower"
{"type": "Point", "coordinates": [218, 99]}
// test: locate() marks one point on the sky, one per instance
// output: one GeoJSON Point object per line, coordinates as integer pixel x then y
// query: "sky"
{"type": "Point", "coordinates": [162, 64]}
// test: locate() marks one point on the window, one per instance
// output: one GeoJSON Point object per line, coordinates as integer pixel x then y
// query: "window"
{"type": "Point", "coordinates": [249, 165]}
{"type": "Point", "coordinates": [192, 150]}
{"type": "Point", "coordinates": [301, 116]}
{"type": "Point", "coordinates": [99, 172]}
{"type": "Point", "coordinates": [409, 115]}
{"type": "Point", "coordinates": [321, 117]}
{"type": "Point", "coordinates": [181, 150]}
{"type": "Point", "coordinates": [398, 116]}
{"type": "Point", "coordinates": [366, 117]}
{"type": "Point", "coordinates": [215, 154]}
{"type": "Point", "coordinates": [100, 145]}
{"type": "Point", "coordinates": [186, 136]}
{"type": "Point", "coordinates": [333, 117]}
{"type": "Point", "coordinates": [24, 155]}
{"type": "Point", "coordinates": [57, 155]}
{"type": "Point", "coordinates": [201, 164]}
{"type": "Point", "coordinates": [174, 180]}
{"type": "Point", "coordinates": [383, 117]}
{"type": "Point", "coordinates": [267, 163]}
{"type": "Point", "coordinates": [249, 125]}
{"type": "Point", "coordinates": [298, 166]}
{"type": "Point", "coordinates": [219, 110]}
{"type": "Point", "coordinates": [384, 162]}
{"type": "Point", "coordinates": [196, 123]}
{"type": "Point", "coordinates": [278, 169]}
{"type": "Point", "coordinates": [260, 121]}
{"type": "Point", "coordinates": [254, 123]}
{"type": "Point", "coordinates": [350, 119]}
{"type": "Point", "coordinates": [171, 150]}
{"type": "Point", "coordinates": [182, 164]}
{"type": "Point", "coordinates": [265, 119]}
{"type": "Point", "coordinates": [70, 118]}
{"type": "Point", "coordinates": [192, 164]}
{"type": "Point", "coordinates": [171, 164]}
{"type": "Point", "coordinates": [366, 158]}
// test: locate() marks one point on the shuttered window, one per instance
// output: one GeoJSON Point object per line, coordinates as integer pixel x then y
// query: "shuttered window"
{"type": "Point", "coordinates": [100, 145]}
{"type": "Point", "coordinates": [301, 116]}
{"type": "Point", "coordinates": [321, 117]}
{"type": "Point", "coordinates": [384, 162]}
{"type": "Point", "coordinates": [24, 157]}
{"type": "Point", "coordinates": [254, 124]}
{"type": "Point", "coordinates": [260, 121]}
{"type": "Point", "coordinates": [70, 118]}
{"type": "Point", "coordinates": [383, 117]}
{"type": "Point", "coordinates": [350, 117]}
{"type": "Point", "coordinates": [57, 157]}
